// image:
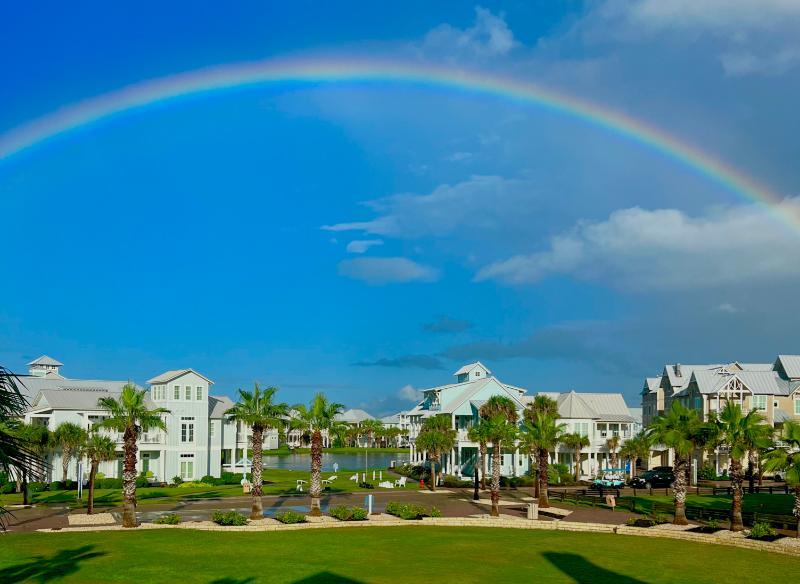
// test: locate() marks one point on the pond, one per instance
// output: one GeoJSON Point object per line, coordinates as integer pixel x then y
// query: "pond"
{"type": "Point", "coordinates": [345, 461]}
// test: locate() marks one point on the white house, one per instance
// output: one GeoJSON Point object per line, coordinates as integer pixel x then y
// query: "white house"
{"type": "Point", "coordinates": [596, 415]}
{"type": "Point", "coordinates": [199, 440]}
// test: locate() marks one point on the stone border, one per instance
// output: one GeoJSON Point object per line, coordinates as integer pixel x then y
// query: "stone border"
{"type": "Point", "coordinates": [504, 521]}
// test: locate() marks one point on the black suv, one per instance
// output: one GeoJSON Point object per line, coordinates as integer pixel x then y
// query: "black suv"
{"type": "Point", "coordinates": [660, 476]}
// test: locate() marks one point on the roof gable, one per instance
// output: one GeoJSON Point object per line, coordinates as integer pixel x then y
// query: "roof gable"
{"type": "Point", "coordinates": [168, 376]}
{"type": "Point", "coordinates": [45, 360]}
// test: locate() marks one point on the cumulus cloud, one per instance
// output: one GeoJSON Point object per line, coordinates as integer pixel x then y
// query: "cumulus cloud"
{"type": "Point", "coordinates": [405, 362]}
{"type": "Point", "coordinates": [408, 392]}
{"type": "Point", "coordinates": [459, 156]}
{"type": "Point", "coordinates": [482, 202]}
{"type": "Point", "coordinates": [666, 249]}
{"type": "Point", "coordinates": [446, 324]}
{"type": "Point", "coordinates": [362, 245]}
{"type": "Point", "coordinates": [489, 36]}
{"type": "Point", "coordinates": [387, 270]}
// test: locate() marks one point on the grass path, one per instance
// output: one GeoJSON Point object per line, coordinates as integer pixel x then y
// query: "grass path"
{"type": "Point", "coordinates": [402, 554]}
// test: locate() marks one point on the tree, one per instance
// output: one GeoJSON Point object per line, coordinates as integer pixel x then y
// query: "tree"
{"type": "Point", "coordinates": [371, 428]}
{"type": "Point", "coordinates": [436, 437]}
{"type": "Point", "coordinates": [741, 433]}
{"type": "Point", "coordinates": [636, 448]}
{"type": "Point", "coordinates": [130, 415]}
{"type": "Point", "coordinates": [500, 416]}
{"type": "Point", "coordinates": [540, 433]}
{"type": "Point", "coordinates": [786, 458]}
{"type": "Point", "coordinates": [96, 448]}
{"type": "Point", "coordinates": [678, 429]}
{"type": "Point", "coordinates": [576, 442]}
{"type": "Point", "coordinates": [69, 438]}
{"type": "Point", "coordinates": [613, 444]}
{"type": "Point", "coordinates": [257, 410]}
{"type": "Point", "coordinates": [35, 440]}
{"type": "Point", "coordinates": [479, 433]}
{"type": "Point", "coordinates": [320, 416]}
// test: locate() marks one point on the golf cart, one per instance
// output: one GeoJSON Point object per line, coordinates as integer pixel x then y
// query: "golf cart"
{"type": "Point", "coordinates": [610, 478]}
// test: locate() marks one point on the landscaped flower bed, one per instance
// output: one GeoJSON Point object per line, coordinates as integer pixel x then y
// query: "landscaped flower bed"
{"type": "Point", "coordinates": [229, 518]}
{"type": "Point", "coordinates": [290, 517]}
{"type": "Point", "coordinates": [168, 519]}
{"type": "Point", "coordinates": [763, 531]}
{"type": "Point", "coordinates": [344, 513]}
{"type": "Point", "coordinates": [411, 511]}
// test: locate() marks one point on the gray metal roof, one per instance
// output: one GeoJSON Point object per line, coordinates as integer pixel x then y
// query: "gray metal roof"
{"type": "Point", "coordinates": [354, 416]}
{"type": "Point", "coordinates": [470, 366]}
{"type": "Point", "coordinates": [74, 399]}
{"type": "Point", "coordinates": [758, 382]}
{"type": "Point", "coordinates": [791, 365]}
{"type": "Point", "coordinates": [31, 385]}
{"type": "Point", "coordinates": [651, 385]}
{"type": "Point", "coordinates": [168, 376]}
{"type": "Point", "coordinates": [218, 405]}
{"type": "Point", "coordinates": [779, 416]}
{"type": "Point", "coordinates": [45, 360]}
{"type": "Point", "coordinates": [571, 405]}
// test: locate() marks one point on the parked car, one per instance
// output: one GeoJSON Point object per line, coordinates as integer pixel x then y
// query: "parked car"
{"type": "Point", "coordinates": [661, 476]}
{"type": "Point", "coordinates": [612, 477]}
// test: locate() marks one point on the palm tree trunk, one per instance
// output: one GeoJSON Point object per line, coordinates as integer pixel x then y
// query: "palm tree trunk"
{"type": "Point", "coordinates": [496, 481]}
{"type": "Point", "coordinates": [534, 458]}
{"type": "Point", "coordinates": [483, 466]}
{"type": "Point", "coordinates": [25, 494]}
{"type": "Point", "coordinates": [797, 508]}
{"type": "Point", "coordinates": [129, 479]}
{"type": "Point", "coordinates": [92, 475]}
{"type": "Point", "coordinates": [256, 506]}
{"type": "Point", "coordinates": [543, 500]}
{"type": "Point", "coordinates": [679, 490]}
{"type": "Point", "coordinates": [751, 468]}
{"type": "Point", "coordinates": [64, 463]}
{"type": "Point", "coordinates": [433, 474]}
{"type": "Point", "coordinates": [736, 506]}
{"type": "Point", "coordinates": [315, 485]}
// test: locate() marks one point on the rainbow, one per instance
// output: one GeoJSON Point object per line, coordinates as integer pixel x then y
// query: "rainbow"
{"type": "Point", "coordinates": [277, 71]}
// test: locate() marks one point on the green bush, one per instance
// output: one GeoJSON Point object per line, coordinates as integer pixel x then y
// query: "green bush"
{"type": "Point", "coordinates": [193, 484]}
{"type": "Point", "coordinates": [707, 473]}
{"type": "Point", "coordinates": [99, 475]}
{"type": "Point", "coordinates": [631, 521]}
{"type": "Point", "coordinates": [109, 483]}
{"type": "Point", "coordinates": [345, 513]}
{"type": "Point", "coordinates": [290, 517]}
{"type": "Point", "coordinates": [523, 481]}
{"type": "Point", "coordinates": [36, 487]}
{"type": "Point", "coordinates": [411, 510]}
{"type": "Point", "coordinates": [660, 518]}
{"type": "Point", "coordinates": [762, 530]}
{"type": "Point", "coordinates": [364, 485]}
{"type": "Point", "coordinates": [453, 482]}
{"type": "Point", "coordinates": [229, 518]}
{"type": "Point", "coordinates": [232, 478]}
{"type": "Point", "coordinates": [56, 486]}
{"type": "Point", "coordinates": [177, 480]}
{"type": "Point", "coordinates": [168, 519]}
{"type": "Point", "coordinates": [7, 488]}
{"type": "Point", "coordinates": [141, 482]}
{"type": "Point", "coordinates": [713, 523]}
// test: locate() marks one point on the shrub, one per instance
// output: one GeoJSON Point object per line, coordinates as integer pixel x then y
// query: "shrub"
{"type": "Point", "coordinates": [454, 482]}
{"type": "Point", "coordinates": [232, 478]}
{"type": "Point", "coordinates": [209, 480]}
{"type": "Point", "coordinates": [141, 482]}
{"type": "Point", "coordinates": [762, 530]}
{"type": "Point", "coordinates": [3, 478]}
{"type": "Point", "coordinates": [193, 484]}
{"type": "Point", "coordinates": [660, 518]}
{"type": "Point", "coordinates": [366, 485]}
{"type": "Point", "coordinates": [168, 519]}
{"type": "Point", "coordinates": [290, 517]}
{"type": "Point", "coordinates": [523, 481]}
{"type": "Point", "coordinates": [713, 524]}
{"type": "Point", "coordinates": [411, 510]}
{"type": "Point", "coordinates": [99, 475]}
{"type": "Point", "coordinates": [707, 473]}
{"type": "Point", "coordinates": [36, 487]}
{"type": "Point", "coordinates": [7, 488]}
{"type": "Point", "coordinates": [345, 513]}
{"type": "Point", "coordinates": [229, 518]}
{"type": "Point", "coordinates": [177, 480]}
{"type": "Point", "coordinates": [56, 486]}
{"type": "Point", "coordinates": [630, 521]}
{"type": "Point", "coordinates": [109, 484]}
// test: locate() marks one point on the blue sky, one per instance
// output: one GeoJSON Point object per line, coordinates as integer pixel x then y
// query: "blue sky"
{"type": "Point", "coordinates": [366, 240]}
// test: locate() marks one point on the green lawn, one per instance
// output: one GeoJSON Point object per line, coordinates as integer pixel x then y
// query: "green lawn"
{"type": "Point", "coordinates": [340, 450]}
{"type": "Point", "coordinates": [761, 502]}
{"type": "Point", "coordinates": [386, 554]}
{"type": "Point", "coordinates": [276, 482]}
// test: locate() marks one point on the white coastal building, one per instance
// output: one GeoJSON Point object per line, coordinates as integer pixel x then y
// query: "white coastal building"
{"type": "Point", "coordinates": [596, 415]}
{"type": "Point", "coordinates": [199, 440]}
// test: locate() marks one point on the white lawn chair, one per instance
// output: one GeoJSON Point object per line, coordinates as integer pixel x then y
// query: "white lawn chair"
{"type": "Point", "coordinates": [401, 482]}
{"type": "Point", "coordinates": [300, 483]}
{"type": "Point", "coordinates": [354, 477]}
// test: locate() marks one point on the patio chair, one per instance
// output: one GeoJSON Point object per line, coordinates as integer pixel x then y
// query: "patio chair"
{"type": "Point", "coordinates": [401, 482]}
{"type": "Point", "coordinates": [329, 480]}
{"type": "Point", "coordinates": [354, 477]}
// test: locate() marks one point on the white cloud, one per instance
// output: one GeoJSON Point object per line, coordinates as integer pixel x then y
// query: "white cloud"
{"type": "Point", "coordinates": [734, 17]}
{"type": "Point", "coordinates": [362, 245]}
{"type": "Point", "coordinates": [726, 307]}
{"type": "Point", "coordinates": [387, 270]}
{"type": "Point", "coordinates": [482, 202]}
{"type": "Point", "coordinates": [667, 249]}
{"type": "Point", "coordinates": [740, 63]}
{"type": "Point", "coordinates": [408, 392]}
{"type": "Point", "coordinates": [489, 36]}
{"type": "Point", "coordinates": [459, 156]}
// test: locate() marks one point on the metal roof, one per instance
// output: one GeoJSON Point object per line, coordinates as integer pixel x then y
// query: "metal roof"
{"type": "Point", "coordinates": [168, 376]}
{"type": "Point", "coordinates": [791, 365]}
{"type": "Point", "coordinates": [469, 367]}
{"type": "Point", "coordinates": [45, 360]}
{"type": "Point", "coordinates": [218, 405]}
{"type": "Point", "coordinates": [354, 416]}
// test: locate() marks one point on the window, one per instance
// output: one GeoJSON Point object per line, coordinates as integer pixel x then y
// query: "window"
{"type": "Point", "coordinates": [187, 466]}
{"type": "Point", "coordinates": [582, 428]}
{"type": "Point", "coordinates": [177, 393]}
{"type": "Point", "coordinates": [199, 393]}
{"type": "Point", "coordinates": [797, 407]}
{"type": "Point", "coordinates": [188, 392]}
{"type": "Point", "coordinates": [760, 402]}
{"type": "Point", "coordinates": [187, 429]}
{"type": "Point", "coordinates": [212, 426]}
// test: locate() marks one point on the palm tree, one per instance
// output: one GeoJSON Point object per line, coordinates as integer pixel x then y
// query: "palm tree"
{"type": "Point", "coordinates": [370, 429]}
{"type": "Point", "coordinates": [97, 448]}
{"type": "Point", "coordinates": [540, 433]}
{"type": "Point", "coordinates": [436, 437]}
{"type": "Point", "coordinates": [741, 433]}
{"type": "Point", "coordinates": [34, 441]}
{"type": "Point", "coordinates": [479, 433]}
{"type": "Point", "coordinates": [636, 448]}
{"type": "Point", "coordinates": [320, 416]}
{"type": "Point", "coordinates": [257, 410]}
{"type": "Point", "coordinates": [130, 415]}
{"type": "Point", "coordinates": [787, 458]}
{"type": "Point", "coordinates": [576, 442]}
{"type": "Point", "coordinates": [678, 429]}
{"type": "Point", "coordinates": [500, 416]}
{"type": "Point", "coordinates": [612, 444]}
{"type": "Point", "coordinates": [69, 438]}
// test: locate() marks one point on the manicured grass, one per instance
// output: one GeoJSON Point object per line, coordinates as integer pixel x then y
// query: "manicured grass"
{"type": "Point", "coordinates": [379, 554]}
{"type": "Point", "coordinates": [761, 502]}
{"type": "Point", "coordinates": [341, 450]}
{"type": "Point", "coordinates": [276, 482]}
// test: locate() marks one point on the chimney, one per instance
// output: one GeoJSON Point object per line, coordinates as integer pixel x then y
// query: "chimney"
{"type": "Point", "coordinates": [678, 370]}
